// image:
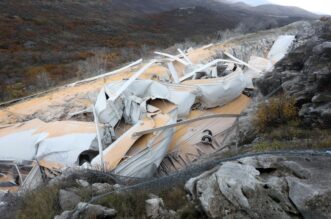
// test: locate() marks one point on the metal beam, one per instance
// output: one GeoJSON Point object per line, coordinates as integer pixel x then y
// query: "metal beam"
{"type": "Point", "coordinates": [136, 134]}
{"type": "Point", "coordinates": [214, 62]}
{"type": "Point", "coordinates": [131, 80]}
{"type": "Point", "coordinates": [184, 56]}
{"type": "Point", "coordinates": [106, 74]}
{"type": "Point", "coordinates": [173, 72]}
{"type": "Point", "coordinates": [172, 57]}
{"type": "Point", "coordinates": [96, 122]}
{"type": "Point", "coordinates": [242, 62]}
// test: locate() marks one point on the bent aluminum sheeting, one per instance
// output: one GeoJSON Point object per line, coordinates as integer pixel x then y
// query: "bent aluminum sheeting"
{"type": "Point", "coordinates": [219, 91]}
{"type": "Point", "coordinates": [117, 150]}
{"type": "Point", "coordinates": [59, 142]}
{"type": "Point", "coordinates": [132, 105]}
{"type": "Point", "coordinates": [155, 147]}
{"type": "Point", "coordinates": [280, 48]}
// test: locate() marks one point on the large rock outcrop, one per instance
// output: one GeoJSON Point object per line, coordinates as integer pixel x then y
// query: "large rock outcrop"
{"type": "Point", "coordinates": [305, 74]}
{"type": "Point", "coordinates": [265, 187]}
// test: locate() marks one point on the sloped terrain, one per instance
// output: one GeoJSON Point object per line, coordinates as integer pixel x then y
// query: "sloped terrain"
{"type": "Point", "coordinates": [281, 184]}
{"type": "Point", "coordinates": [48, 43]}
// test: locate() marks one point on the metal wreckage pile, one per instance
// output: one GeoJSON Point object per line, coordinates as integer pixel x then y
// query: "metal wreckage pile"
{"type": "Point", "coordinates": [141, 127]}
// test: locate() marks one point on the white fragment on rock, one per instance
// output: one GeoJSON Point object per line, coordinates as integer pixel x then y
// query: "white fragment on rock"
{"type": "Point", "coordinates": [280, 48]}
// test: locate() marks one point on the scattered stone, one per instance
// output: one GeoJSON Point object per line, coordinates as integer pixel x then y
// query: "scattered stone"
{"type": "Point", "coordinates": [68, 200]}
{"type": "Point", "coordinates": [116, 187]}
{"type": "Point", "coordinates": [82, 183]}
{"type": "Point", "coordinates": [86, 211]}
{"type": "Point", "coordinates": [155, 209]}
{"type": "Point", "coordinates": [101, 188]}
{"type": "Point", "coordinates": [64, 215]}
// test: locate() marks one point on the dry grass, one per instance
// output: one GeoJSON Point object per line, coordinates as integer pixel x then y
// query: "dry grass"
{"type": "Point", "coordinates": [132, 204]}
{"type": "Point", "coordinates": [40, 204]}
{"type": "Point", "coordinates": [294, 137]}
{"type": "Point", "coordinates": [277, 111]}
{"type": "Point", "coordinates": [279, 126]}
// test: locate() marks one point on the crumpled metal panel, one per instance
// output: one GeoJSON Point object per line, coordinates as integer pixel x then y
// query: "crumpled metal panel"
{"type": "Point", "coordinates": [219, 91]}
{"type": "Point", "coordinates": [60, 142]}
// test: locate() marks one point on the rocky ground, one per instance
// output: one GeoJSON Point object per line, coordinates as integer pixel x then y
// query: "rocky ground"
{"type": "Point", "coordinates": [265, 187]}
{"type": "Point", "coordinates": [305, 74]}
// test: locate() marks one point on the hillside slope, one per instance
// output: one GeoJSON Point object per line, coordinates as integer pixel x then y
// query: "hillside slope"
{"type": "Point", "coordinates": [48, 43]}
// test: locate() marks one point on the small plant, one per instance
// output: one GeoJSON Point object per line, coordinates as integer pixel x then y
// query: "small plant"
{"type": "Point", "coordinates": [128, 204]}
{"type": "Point", "coordinates": [40, 204]}
{"type": "Point", "coordinates": [271, 146]}
{"type": "Point", "coordinates": [276, 112]}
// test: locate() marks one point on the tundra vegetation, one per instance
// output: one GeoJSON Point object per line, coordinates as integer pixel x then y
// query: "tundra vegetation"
{"type": "Point", "coordinates": [44, 44]}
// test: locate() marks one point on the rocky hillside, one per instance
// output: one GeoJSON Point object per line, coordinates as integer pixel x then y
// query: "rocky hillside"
{"type": "Point", "coordinates": [305, 74]}
{"type": "Point", "coordinates": [47, 43]}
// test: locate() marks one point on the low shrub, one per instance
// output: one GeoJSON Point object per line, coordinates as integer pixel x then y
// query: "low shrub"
{"type": "Point", "coordinates": [128, 204]}
{"type": "Point", "coordinates": [40, 204]}
{"type": "Point", "coordinates": [275, 112]}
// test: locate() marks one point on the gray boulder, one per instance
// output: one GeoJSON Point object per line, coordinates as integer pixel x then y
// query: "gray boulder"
{"type": "Point", "coordinates": [265, 187]}
{"type": "Point", "coordinates": [305, 75]}
{"type": "Point", "coordinates": [64, 215]}
{"type": "Point", "coordinates": [82, 183]}
{"type": "Point", "coordinates": [155, 209]}
{"type": "Point", "coordinates": [68, 200]}
{"type": "Point", "coordinates": [101, 188]}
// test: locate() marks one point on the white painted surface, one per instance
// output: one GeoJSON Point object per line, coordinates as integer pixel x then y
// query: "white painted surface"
{"type": "Point", "coordinates": [185, 56]}
{"type": "Point", "coordinates": [219, 91]}
{"type": "Point", "coordinates": [106, 74]}
{"type": "Point", "coordinates": [203, 67]}
{"type": "Point", "coordinates": [241, 62]}
{"type": "Point", "coordinates": [66, 149]}
{"type": "Point", "coordinates": [47, 141]}
{"type": "Point", "coordinates": [172, 57]}
{"type": "Point", "coordinates": [145, 163]}
{"type": "Point", "coordinates": [262, 64]}
{"type": "Point", "coordinates": [131, 80]}
{"type": "Point", "coordinates": [280, 48]}
{"type": "Point", "coordinates": [20, 145]}
{"type": "Point", "coordinates": [173, 72]}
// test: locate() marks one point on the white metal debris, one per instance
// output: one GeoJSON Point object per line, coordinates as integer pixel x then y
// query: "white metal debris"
{"type": "Point", "coordinates": [172, 57]}
{"type": "Point", "coordinates": [262, 64]}
{"type": "Point", "coordinates": [107, 74]}
{"type": "Point", "coordinates": [203, 67]}
{"type": "Point", "coordinates": [143, 106]}
{"type": "Point", "coordinates": [241, 62]}
{"type": "Point", "coordinates": [219, 91]}
{"type": "Point", "coordinates": [280, 48]}
{"type": "Point", "coordinates": [60, 142]}
{"type": "Point", "coordinates": [184, 56]}
{"type": "Point", "coordinates": [131, 80]}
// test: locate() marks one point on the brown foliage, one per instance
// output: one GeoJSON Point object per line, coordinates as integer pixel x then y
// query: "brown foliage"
{"type": "Point", "coordinates": [275, 112]}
